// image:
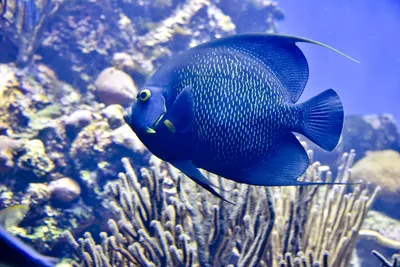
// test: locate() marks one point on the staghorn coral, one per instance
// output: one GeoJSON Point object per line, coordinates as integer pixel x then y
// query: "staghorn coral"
{"type": "Point", "coordinates": [385, 263]}
{"type": "Point", "coordinates": [164, 219]}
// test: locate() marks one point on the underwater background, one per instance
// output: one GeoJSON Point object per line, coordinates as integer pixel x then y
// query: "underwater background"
{"type": "Point", "coordinates": [76, 183]}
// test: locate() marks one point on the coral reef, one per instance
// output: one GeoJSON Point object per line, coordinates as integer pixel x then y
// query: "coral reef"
{"type": "Point", "coordinates": [85, 37]}
{"type": "Point", "coordinates": [164, 219]}
{"type": "Point", "coordinates": [24, 22]}
{"type": "Point", "coordinates": [382, 228]}
{"type": "Point", "coordinates": [35, 159]}
{"type": "Point", "coordinates": [44, 120]}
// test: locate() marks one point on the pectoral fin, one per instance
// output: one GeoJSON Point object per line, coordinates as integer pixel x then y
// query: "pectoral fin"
{"type": "Point", "coordinates": [179, 118]}
{"type": "Point", "coordinates": [193, 173]}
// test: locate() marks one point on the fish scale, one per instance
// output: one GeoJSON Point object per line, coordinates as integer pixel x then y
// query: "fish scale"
{"type": "Point", "coordinates": [251, 97]}
{"type": "Point", "coordinates": [229, 107]}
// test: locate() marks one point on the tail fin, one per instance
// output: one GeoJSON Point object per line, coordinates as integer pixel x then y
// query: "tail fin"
{"type": "Point", "coordinates": [323, 119]}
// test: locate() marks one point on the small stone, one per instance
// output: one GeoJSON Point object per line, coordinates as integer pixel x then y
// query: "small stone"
{"type": "Point", "coordinates": [65, 189]}
{"type": "Point", "coordinates": [114, 86]}
{"type": "Point", "coordinates": [79, 119]}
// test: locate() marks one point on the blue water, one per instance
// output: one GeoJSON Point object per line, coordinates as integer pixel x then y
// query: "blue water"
{"type": "Point", "coordinates": [367, 30]}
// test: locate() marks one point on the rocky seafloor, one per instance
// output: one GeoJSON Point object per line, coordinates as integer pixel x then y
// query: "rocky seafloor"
{"type": "Point", "coordinates": [63, 84]}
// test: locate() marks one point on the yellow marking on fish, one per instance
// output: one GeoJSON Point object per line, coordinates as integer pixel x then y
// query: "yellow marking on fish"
{"type": "Point", "coordinates": [170, 126]}
{"type": "Point", "coordinates": [158, 120]}
{"type": "Point", "coordinates": [150, 130]}
{"type": "Point", "coordinates": [161, 117]}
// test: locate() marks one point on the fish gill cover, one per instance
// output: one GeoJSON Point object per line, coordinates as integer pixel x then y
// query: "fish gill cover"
{"type": "Point", "coordinates": [63, 136]}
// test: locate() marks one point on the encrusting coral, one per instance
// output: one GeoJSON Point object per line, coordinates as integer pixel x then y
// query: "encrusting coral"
{"type": "Point", "coordinates": [164, 219]}
{"type": "Point", "coordinates": [381, 168]}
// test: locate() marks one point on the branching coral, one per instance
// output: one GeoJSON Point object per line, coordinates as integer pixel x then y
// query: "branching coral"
{"type": "Point", "coordinates": [385, 263]}
{"type": "Point", "coordinates": [164, 219]}
{"type": "Point", "coordinates": [322, 223]}
{"type": "Point", "coordinates": [24, 22]}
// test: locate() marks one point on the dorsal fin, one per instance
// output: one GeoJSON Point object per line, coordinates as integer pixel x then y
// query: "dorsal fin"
{"type": "Point", "coordinates": [280, 53]}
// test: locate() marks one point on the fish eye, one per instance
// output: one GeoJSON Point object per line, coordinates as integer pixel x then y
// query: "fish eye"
{"type": "Point", "coordinates": [144, 95]}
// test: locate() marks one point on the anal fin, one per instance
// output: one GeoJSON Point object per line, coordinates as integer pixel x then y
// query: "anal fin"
{"type": "Point", "coordinates": [193, 173]}
{"type": "Point", "coordinates": [282, 168]}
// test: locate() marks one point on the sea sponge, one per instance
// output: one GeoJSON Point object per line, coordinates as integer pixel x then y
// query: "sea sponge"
{"type": "Point", "coordinates": [380, 168]}
{"type": "Point", "coordinates": [90, 145]}
{"type": "Point", "coordinates": [114, 86]}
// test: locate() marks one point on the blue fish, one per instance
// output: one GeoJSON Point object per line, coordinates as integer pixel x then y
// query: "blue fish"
{"type": "Point", "coordinates": [15, 253]}
{"type": "Point", "coordinates": [230, 107]}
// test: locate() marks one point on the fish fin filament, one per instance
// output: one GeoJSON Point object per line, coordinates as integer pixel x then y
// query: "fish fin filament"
{"type": "Point", "coordinates": [193, 173]}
